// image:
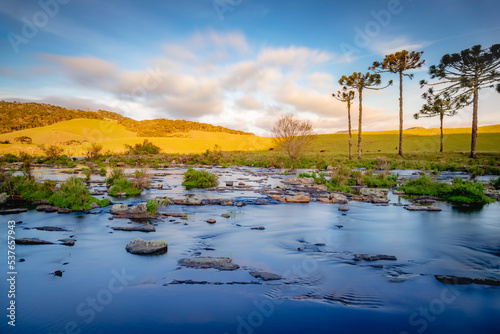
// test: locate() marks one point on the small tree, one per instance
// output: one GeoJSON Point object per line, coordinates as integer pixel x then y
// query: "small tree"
{"type": "Point", "coordinates": [346, 96]}
{"type": "Point", "coordinates": [23, 140]}
{"type": "Point", "coordinates": [94, 151]}
{"type": "Point", "coordinates": [400, 62]}
{"type": "Point", "coordinates": [292, 135]}
{"type": "Point", "coordinates": [359, 82]}
{"type": "Point", "coordinates": [464, 74]}
{"type": "Point", "coordinates": [439, 105]}
{"type": "Point", "coordinates": [52, 152]}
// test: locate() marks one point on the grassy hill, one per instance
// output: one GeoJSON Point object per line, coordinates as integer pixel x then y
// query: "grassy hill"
{"type": "Point", "coordinates": [74, 136]}
{"type": "Point", "coordinates": [114, 136]}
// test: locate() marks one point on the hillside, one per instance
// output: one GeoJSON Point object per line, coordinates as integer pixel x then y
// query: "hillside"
{"type": "Point", "coordinates": [75, 136]}
{"type": "Point", "coordinates": [29, 115]}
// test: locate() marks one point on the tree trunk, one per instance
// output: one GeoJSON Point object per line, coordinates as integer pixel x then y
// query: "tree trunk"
{"type": "Point", "coordinates": [349, 124]}
{"type": "Point", "coordinates": [401, 113]}
{"type": "Point", "coordinates": [360, 122]}
{"type": "Point", "coordinates": [474, 123]}
{"type": "Point", "coordinates": [441, 116]}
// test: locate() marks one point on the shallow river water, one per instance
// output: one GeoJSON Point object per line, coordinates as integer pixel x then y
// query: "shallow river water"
{"type": "Point", "coordinates": [105, 289]}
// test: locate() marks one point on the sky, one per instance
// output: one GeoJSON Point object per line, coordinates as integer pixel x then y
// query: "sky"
{"type": "Point", "coordinates": [235, 63]}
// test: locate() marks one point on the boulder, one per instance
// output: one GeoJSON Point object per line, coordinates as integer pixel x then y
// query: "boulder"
{"type": "Point", "coordinates": [339, 198]}
{"type": "Point", "coordinates": [220, 263]}
{"type": "Point", "coordinates": [211, 221]}
{"type": "Point", "coordinates": [265, 275]}
{"type": "Point", "coordinates": [306, 180]}
{"type": "Point", "coordinates": [229, 183]}
{"type": "Point", "coordinates": [277, 198]}
{"type": "Point", "coordinates": [94, 205]}
{"type": "Point", "coordinates": [240, 204]}
{"type": "Point", "coordinates": [116, 208]}
{"type": "Point", "coordinates": [135, 228]}
{"type": "Point", "coordinates": [140, 208]}
{"type": "Point", "coordinates": [42, 207]}
{"type": "Point", "coordinates": [64, 210]}
{"type": "Point", "coordinates": [32, 241]}
{"type": "Point", "coordinates": [225, 215]}
{"type": "Point", "coordinates": [3, 198]}
{"type": "Point", "coordinates": [373, 257]}
{"type": "Point", "coordinates": [324, 200]}
{"type": "Point", "coordinates": [58, 273]}
{"type": "Point", "coordinates": [50, 208]}
{"type": "Point", "coordinates": [377, 192]}
{"type": "Point", "coordinates": [343, 208]}
{"type": "Point", "coordinates": [298, 199]}
{"type": "Point", "coordinates": [143, 247]}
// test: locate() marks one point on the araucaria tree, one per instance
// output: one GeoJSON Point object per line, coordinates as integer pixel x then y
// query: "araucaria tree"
{"type": "Point", "coordinates": [292, 135]}
{"type": "Point", "coordinates": [346, 96]}
{"type": "Point", "coordinates": [359, 82]}
{"type": "Point", "coordinates": [400, 62]}
{"type": "Point", "coordinates": [464, 74]}
{"type": "Point", "coordinates": [440, 105]}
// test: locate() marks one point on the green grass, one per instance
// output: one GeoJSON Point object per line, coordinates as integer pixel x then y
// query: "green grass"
{"type": "Point", "coordinates": [123, 185]}
{"type": "Point", "coordinates": [153, 205]}
{"type": "Point", "coordinates": [74, 195]}
{"type": "Point", "coordinates": [199, 179]}
{"type": "Point", "coordinates": [459, 191]}
{"type": "Point", "coordinates": [27, 187]}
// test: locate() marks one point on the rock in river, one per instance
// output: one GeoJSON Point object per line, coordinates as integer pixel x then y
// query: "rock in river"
{"type": "Point", "coordinates": [265, 275]}
{"type": "Point", "coordinates": [221, 263]}
{"type": "Point", "coordinates": [136, 228]}
{"type": "Point", "coordinates": [211, 221]}
{"type": "Point", "coordinates": [32, 241]}
{"type": "Point", "coordinates": [143, 247]}
{"type": "Point", "coordinates": [67, 242]}
{"type": "Point", "coordinates": [447, 279]}
{"type": "Point", "coordinates": [119, 208]}
{"type": "Point", "coordinates": [343, 208]}
{"type": "Point", "coordinates": [51, 228]}
{"type": "Point", "coordinates": [373, 257]}
{"type": "Point", "coordinates": [298, 199]}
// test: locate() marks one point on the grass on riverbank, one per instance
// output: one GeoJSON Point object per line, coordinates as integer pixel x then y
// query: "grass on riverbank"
{"type": "Point", "coordinates": [199, 179]}
{"type": "Point", "coordinates": [74, 194]}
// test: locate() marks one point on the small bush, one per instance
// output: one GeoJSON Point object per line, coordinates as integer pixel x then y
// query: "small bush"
{"type": "Point", "coordinates": [145, 148]}
{"type": "Point", "coordinates": [94, 151]}
{"type": "Point", "coordinates": [52, 152]}
{"type": "Point", "coordinates": [123, 185]}
{"type": "Point", "coordinates": [116, 173]}
{"type": "Point", "coordinates": [153, 205]}
{"type": "Point", "coordinates": [102, 171]}
{"type": "Point", "coordinates": [199, 179]}
{"type": "Point", "coordinates": [141, 179]}
{"type": "Point", "coordinates": [74, 195]}
{"type": "Point", "coordinates": [27, 187]}
{"type": "Point", "coordinates": [495, 183]}
{"type": "Point", "coordinates": [23, 140]}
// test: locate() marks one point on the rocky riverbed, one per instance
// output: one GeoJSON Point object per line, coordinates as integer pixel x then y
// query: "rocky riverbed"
{"type": "Point", "coordinates": [262, 245]}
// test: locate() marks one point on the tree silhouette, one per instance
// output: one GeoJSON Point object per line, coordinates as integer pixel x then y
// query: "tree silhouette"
{"type": "Point", "coordinates": [358, 81]}
{"type": "Point", "coordinates": [400, 62]}
{"type": "Point", "coordinates": [346, 96]}
{"type": "Point", "coordinates": [464, 74]}
{"type": "Point", "coordinates": [440, 105]}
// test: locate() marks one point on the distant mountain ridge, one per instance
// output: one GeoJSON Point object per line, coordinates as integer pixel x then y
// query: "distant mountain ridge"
{"type": "Point", "coordinates": [27, 115]}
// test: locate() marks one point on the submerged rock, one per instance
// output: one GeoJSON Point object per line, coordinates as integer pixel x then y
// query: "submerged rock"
{"type": "Point", "coordinates": [448, 279]}
{"type": "Point", "coordinates": [51, 228]}
{"type": "Point", "coordinates": [207, 262]}
{"type": "Point", "coordinates": [265, 275]}
{"type": "Point", "coordinates": [58, 273]}
{"type": "Point", "coordinates": [143, 247]}
{"type": "Point", "coordinates": [136, 228]}
{"type": "Point", "coordinates": [12, 211]}
{"type": "Point", "coordinates": [373, 257]}
{"type": "Point", "coordinates": [343, 208]}
{"type": "Point", "coordinates": [68, 242]}
{"type": "Point", "coordinates": [32, 241]}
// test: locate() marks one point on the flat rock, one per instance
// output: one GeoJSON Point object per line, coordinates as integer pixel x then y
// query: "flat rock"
{"type": "Point", "coordinates": [211, 221]}
{"type": "Point", "coordinates": [50, 208]}
{"type": "Point", "coordinates": [64, 210]}
{"type": "Point", "coordinates": [298, 199]}
{"type": "Point", "coordinates": [12, 211]}
{"type": "Point", "coordinates": [51, 228]}
{"type": "Point", "coordinates": [32, 241]}
{"type": "Point", "coordinates": [225, 215]}
{"type": "Point", "coordinates": [373, 257]}
{"type": "Point", "coordinates": [117, 208]}
{"type": "Point", "coordinates": [258, 228]}
{"type": "Point", "coordinates": [143, 247]}
{"type": "Point", "coordinates": [377, 192]}
{"type": "Point", "coordinates": [423, 208]}
{"type": "Point", "coordinates": [265, 275]}
{"type": "Point", "coordinates": [136, 228]}
{"type": "Point", "coordinates": [448, 279]}
{"type": "Point", "coordinates": [220, 263]}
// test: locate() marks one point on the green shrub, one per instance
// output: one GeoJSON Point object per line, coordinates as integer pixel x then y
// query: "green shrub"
{"type": "Point", "coordinates": [153, 205]}
{"type": "Point", "coordinates": [459, 191]}
{"type": "Point", "coordinates": [27, 187]}
{"type": "Point", "coordinates": [74, 195]}
{"type": "Point", "coordinates": [102, 171]}
{"type": "Point", "coordinates": [115, 174]}
{"type": "Point", "coordinates": [145, 148]}
{"type": "Point", "coordinates": [495, 182]}
{"type": "Point", "coordinates": [199, 179]}
{"type": "Point", "coordinates": [123, 185]}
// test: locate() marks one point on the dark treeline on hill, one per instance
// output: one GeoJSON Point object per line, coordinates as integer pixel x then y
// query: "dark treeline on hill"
{"type": "Point", "coordinates": [27, 115]}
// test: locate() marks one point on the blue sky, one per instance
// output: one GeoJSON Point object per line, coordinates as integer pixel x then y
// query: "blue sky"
{"type": "Point", "coordinates": [235, 63]}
